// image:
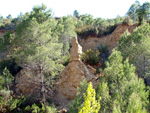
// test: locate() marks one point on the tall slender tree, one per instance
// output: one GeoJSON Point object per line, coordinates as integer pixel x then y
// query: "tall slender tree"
{"type": "Point", "coordinates": [38, 47]}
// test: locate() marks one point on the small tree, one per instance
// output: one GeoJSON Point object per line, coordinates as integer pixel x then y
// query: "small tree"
{"type": "Point", "coordinates": [38, 47]}
{"type": "Point", "coordinates": [135, 105]}
{"type": "Point", "coordinates": [102, 91]}
{"type": "Point", "coordinates": [79, 99]}
{"type": "Point", "coordinates": [90, 105]}
{"type": "Point", "coordinates": [91, 56]}
{"type": "Point", "coordinates": [8, 78]}
{"type": "Point", "coordinates": [76, 14]}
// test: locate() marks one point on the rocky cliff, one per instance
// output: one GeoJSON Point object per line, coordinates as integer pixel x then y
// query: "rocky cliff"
{"type": "Point", "coordinates": [72, 75]}
{"type": "Point", "coordinates": [110, 40]}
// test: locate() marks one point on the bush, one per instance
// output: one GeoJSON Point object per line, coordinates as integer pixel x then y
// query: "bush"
{"type": "Point", "coordinates": [135, 104]}
{"type": "Point", "coordinates": [76, 103]}
{"type": "Point", "coordinates": [11, 66]}
{"type": "Point", "coordinates": [96, 31]}
{"type": "Point", "coordinates": [102, 91]}
{"type": "Point", "coordinates": [40, 109]}
{"type": "Point", "coordinates": [91, 57]}
{"type": "Point", "coordinates": [50, 109]}
{"type": "Point", "coordinates": [5, 94]}
{"type": "Point", "coordinates": [66, 60]}
{"type": "Point", "coordinates": [103, 49]}
{"type": "Point", "coordinates": [90, 105]}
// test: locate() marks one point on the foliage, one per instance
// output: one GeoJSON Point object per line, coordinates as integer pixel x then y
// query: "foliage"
{"type": "Point", "coordinates": [132, 12]}
{"type": "Point", "coordinates": [66, 60]}
{"type": "Point", "coordinates": [88, 26]}
{"type": "Point", "coordinates": [90, 103]}
{"type": "Point", "coordinates": [102, 91]}
{"type": "Point", "coordinates": [8, 103]}
{"type": "Point", "coordinates": [122, 81]}
{"type": "Point", "coordinates": [139, 12]}
{"type": "Point", "coordinates": [12, 67]}
{"type": "Point", "coordinates": [6, 42]}
{"type": "Point", "coordinates": [91, 30]}
{"type": "Point", "coordinates": [136, 48]}
{"type": "Point", "coordinates": [79, 99]}
{"type": "Point", "coordinates": [37, 45]}
{"type": "Point", "coordinates": [3, 105]}
{"type": "Point", "coordinates": [50, 109]}
{"type": "Point", "coordinates": [76, 14]}
{"type": "Point", "coordinates": [2, 82]}
{"type": "Point", "coordinates": [116, 109]}
{"type": "Point", "coordinates": [40, 13]}
{"type": "Point", "coordinates": [42, 44]}
{"type": "Point", "coordinates": [91, 56]}
{"type": "Point", "coordinates": [104, 53]}
{"type": "Point", "coordinates": [36, 109]}
{"type": "Point", "coordinates": [8, 78]}
{"type": "Point", "coordinates": [39, 48]}
{"type": "Point", "coordinates": [65, 29]}
{"type": "Point", "coordinates": [135, 105]}
{"type": "Point", "coordinates": [128, 21]}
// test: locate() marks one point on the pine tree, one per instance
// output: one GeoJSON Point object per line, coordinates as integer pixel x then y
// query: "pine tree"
{"type": "Point", "coordinates": [122, 81]}
{"type": "Point", "coordinates": [79, 99]}
{"type": "Point", "coordinates": [38, 47]}
{"type": "Point", "coordinates": [102, 91]}
{"type": "Point", "coordinates": [135, 104]}
{"type": "Point", "coordinates": [136, 48]}
{"type": "Point", "coordinates": [90, 105]}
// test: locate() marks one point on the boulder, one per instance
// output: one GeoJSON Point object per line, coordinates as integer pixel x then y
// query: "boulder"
{"type": "Point", "coordinates": [26, 83]}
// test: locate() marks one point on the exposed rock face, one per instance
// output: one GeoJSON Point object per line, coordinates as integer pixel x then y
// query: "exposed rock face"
{"type": "Point", "coordinates": [110, 40]}
{"type": "Point", "coordinates": [76, 50]}
{"type": "Point", "coordinates": [73, 74]}
{"type": "Point", "coordinates": [26, 83]}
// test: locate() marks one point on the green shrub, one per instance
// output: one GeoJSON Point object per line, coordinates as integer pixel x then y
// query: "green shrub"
{"type": "Point", "coordinates": [79, 99]}
{"type": "Point", "coordinates": [40, 109]}
{"type": "Point", "coordinates": [102, 91]}
{"type": "Point", "coordinates": [103, 49]}
{"type": "Point", "coordinates": [3, 105]}
{"type": "Point", "coordinates": [5, 94]}
{"type": "Point", "coordinates": [90, 105]}
{"type": "Point", "coordinates": [96, 31]}
{"type": "Point", "coordinates": [66, 60]}
{"type": "Point", "coordinates": [50, 109]}
{"type": "Point", "coordinates": [135, 104]}
{"type": "Point", "coordinates": [11, 66]}
{"type": "Point", "coordinates": [91, 56]}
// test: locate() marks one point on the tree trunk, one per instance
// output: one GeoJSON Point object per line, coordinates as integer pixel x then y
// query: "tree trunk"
{"type": "Point", "coordinates": [7, 86]}
{"type": "Point", "coordinates": [43, 100]}
{"type": "Point", "coordinates": [42, 90]}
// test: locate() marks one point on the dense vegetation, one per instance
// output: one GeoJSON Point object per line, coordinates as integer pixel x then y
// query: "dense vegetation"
{"type": "Point", "coordinates": [42, 44]}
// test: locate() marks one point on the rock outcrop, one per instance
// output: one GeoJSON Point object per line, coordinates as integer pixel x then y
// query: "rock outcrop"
{"type": "Point", "coordinates": [73, 74]}
{"type": "Point", "coordinates": [26, 83]}
{"type": "Point", "coordinates": [110, 40]}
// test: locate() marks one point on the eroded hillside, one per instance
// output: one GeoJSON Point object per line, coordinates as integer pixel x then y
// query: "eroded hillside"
{"type": "Point", "coordinates": [110, 40]}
